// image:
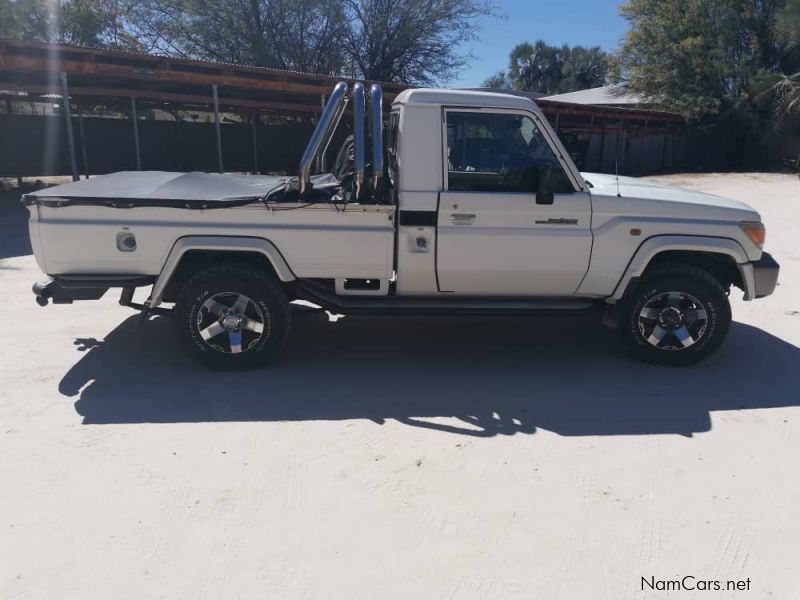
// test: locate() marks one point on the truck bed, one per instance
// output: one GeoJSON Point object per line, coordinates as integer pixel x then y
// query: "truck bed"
{"type": "Point", "coordinates": [165, 189]}
{"type": "Point", "coordinates": [317, 240]}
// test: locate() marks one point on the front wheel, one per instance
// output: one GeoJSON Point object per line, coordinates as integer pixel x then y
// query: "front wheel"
{"type": "Point", "coordinates": [678, 315]}
{"type": "Point", "coordinates": [232, 317]}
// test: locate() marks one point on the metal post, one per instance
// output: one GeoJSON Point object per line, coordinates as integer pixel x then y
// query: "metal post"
{"type": "Point", "coordinates": [321, 157]}
{"type": "Point", "coordinates": [135, 118]}
{"type": "Point", "coordinates": [178, 151]}
{"type": "Point", "coordinates": [253, 120]}
{"type": "Point", "coordinates": [10, 111]}
{"type": "Point", "coordinates": [602, 147]}
{"type": "Point", "coordinates": [82, 133]}
{"type": "Point", "coordinates": [217, 127]}
{"type": "Point", "coordinates": [73, 162]}
{"type": "Point", "coordinates": [662, 166]}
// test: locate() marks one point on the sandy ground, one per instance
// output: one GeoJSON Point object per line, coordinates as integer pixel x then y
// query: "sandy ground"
{"type": "Point", "coordinates": [406, 458]}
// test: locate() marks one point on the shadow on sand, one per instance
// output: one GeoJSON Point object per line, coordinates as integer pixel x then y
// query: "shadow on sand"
{"type": "Point", "coordinates": [489, 376]}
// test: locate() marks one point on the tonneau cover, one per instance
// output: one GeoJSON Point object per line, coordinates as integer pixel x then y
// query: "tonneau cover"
{"type": "Point", "coordinates": [159, 188]}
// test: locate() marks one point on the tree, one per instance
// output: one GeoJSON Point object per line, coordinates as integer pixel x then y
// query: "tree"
{"type": "Point", "coordinates": [582, 68]}
{"type": "Point", "coordinates": [546, 69]}
{"type": "Point", "coordinates": [498, 81]}
{"type": "Point", "coordinates": [787, 88]}
{"type": "Point", "coordinates": [407, 41]}
{"type": "Point", "coordinates": [699, 57]}
{"type": "Point", "coordinates": [93, 23]}
{"type": "Point", "coordinates": [535, 67]}
{"type": "Point", "coordinates": [410, 41]}
{"type": "Point", "coordinates": [25, 19]}
{"type": "Point", "coordinates": [300, 35]}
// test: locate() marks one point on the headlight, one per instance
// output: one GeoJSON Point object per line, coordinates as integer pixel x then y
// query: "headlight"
{"type": "Point", "coordinates": [755, 231]}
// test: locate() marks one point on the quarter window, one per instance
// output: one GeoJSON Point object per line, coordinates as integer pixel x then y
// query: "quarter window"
{"type": "Point", "coordinates": [500, 152]}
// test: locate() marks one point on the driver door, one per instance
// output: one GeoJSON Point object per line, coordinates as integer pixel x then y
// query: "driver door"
{"type": "Point", "coordinates": [493, 238]}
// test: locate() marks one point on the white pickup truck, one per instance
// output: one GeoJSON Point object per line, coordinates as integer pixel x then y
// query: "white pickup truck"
{"type": "Point", "coordinates": [471, 206]}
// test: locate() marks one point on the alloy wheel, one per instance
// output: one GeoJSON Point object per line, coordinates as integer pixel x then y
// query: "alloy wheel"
{"type": "Point", "coordinates": [673, 321]}
{"type": "Point", "coordinates": [231, 323]}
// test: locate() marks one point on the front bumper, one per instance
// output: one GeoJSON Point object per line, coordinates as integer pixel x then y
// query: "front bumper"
{"type": "Point", "coordinates": [765, 275]}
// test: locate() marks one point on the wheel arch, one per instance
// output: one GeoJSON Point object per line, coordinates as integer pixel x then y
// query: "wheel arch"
{"type": "Point", "coordinates": [191, 253]}
{"type": "Point", "coordinates": [724, 258]}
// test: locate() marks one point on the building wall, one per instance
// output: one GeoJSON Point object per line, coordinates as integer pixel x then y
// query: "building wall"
{"type": "Point", "coordinates": [633, 154]}
{"type": "Point", "coordinates": [37, 146]}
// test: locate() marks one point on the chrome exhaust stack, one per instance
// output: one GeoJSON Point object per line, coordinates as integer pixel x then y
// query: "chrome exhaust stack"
{"type": "Point", "coordinates": [376, 132]}
{"type": "Point", "coordinates": [360, 140]}
{"type": "Point", "coordinates": [323, 132]}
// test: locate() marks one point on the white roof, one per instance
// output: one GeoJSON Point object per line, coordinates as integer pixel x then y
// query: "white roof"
{"type": "Point", "coordinates": [463, 98]}
{"type": "Point", "coordinates": [608, 95]}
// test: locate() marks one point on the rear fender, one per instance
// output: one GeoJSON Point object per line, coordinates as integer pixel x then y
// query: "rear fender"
{"type": "Point", "coordinates": [221, 244]}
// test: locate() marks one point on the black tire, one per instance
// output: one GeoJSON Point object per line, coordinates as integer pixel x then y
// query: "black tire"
{"type": "Point", "coordinates": [202, 305]}
{"type": "Point", "coordinates": [675, 305]}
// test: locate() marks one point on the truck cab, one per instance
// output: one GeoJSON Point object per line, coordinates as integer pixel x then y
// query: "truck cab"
{"type": "Point", "coordinates": [460, 203]}
{"type": "Point", "coordinates": [485, 192]}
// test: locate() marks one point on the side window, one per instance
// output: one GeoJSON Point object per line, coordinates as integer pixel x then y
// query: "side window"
{"type": "Point", "coordinates": [498, 152]}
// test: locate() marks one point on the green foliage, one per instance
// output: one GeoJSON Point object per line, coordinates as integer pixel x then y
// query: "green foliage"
{"type": "Point", "coordinates": [700, 57]}
{"type": "Point", "coordinates": [546, 69]}
{"type": "Point", "coordinates": [288, 34]}
{"type": "Point", "coordinates": [790, 19]}
{"type": "Point", "coordinates": [787, 89]}
{"type": "Point", "coordinates": [25, 19]}
{"type": "Point", "coordinates": [95, 23]}
{"type": "Point", "coordinates": [410, 41]}
{"type": "Point", "coordinates": [582, 68]}
{"type": "Point", "coordinates": [498, 81]}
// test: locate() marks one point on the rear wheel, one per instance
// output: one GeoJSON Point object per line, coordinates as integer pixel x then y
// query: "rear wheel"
{"type": "Point", "coordinates": [678, 315]}
{"type": "Point", "coordinates": [232, 317]}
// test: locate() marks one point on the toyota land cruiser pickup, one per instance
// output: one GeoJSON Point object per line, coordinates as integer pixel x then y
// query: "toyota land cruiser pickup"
{"type": "Point", "coordinates": [471, 206]}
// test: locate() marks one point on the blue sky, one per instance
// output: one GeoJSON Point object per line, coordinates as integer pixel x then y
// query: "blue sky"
{"type": "Point", "coordinates": [574, 22]}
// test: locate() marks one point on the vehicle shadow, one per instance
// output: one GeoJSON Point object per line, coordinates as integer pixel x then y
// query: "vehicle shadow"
{"type": "Point", "coordinates": [487, 376]}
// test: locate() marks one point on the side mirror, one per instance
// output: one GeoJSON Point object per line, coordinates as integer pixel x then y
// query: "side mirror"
{"type": "Point", "coordinates": [544, 194]}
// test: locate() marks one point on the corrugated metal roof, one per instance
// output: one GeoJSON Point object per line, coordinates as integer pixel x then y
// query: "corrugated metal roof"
{"type": "Point", "coordinates": [163, 58]}
{"type": "Point", "coordinates": [609, 95]}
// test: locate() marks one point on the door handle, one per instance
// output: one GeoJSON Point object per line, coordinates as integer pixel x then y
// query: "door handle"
{"type": "Point", "coordinates": [462, 218]}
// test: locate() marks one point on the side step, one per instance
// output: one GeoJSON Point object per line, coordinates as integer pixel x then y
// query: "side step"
{"type": "Point", "coordinates": [371, 305]}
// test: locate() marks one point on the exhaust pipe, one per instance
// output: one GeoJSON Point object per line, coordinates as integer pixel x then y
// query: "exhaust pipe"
{"type": "Point", "coordinates": [360, 141]}
{"type": "Point", "coordinates": [322, 133]}
{"type": "Point", "coordinates": [376, 131]}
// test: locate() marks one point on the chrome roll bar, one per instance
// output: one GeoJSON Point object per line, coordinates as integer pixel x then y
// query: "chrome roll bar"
{"type": "Point", "coordinates": [376, 131]}
{"type": "Point", "coordinates": [322, 133]}
{"type": "Point", "coordinates": [360, 139]}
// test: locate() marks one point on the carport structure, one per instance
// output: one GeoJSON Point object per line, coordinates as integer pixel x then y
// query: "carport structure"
{"type": "Point", "coordinates": [253, 119]}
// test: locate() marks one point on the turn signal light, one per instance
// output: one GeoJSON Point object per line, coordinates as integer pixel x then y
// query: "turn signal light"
{"type": "Point", "coordinates": [755, 231]}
